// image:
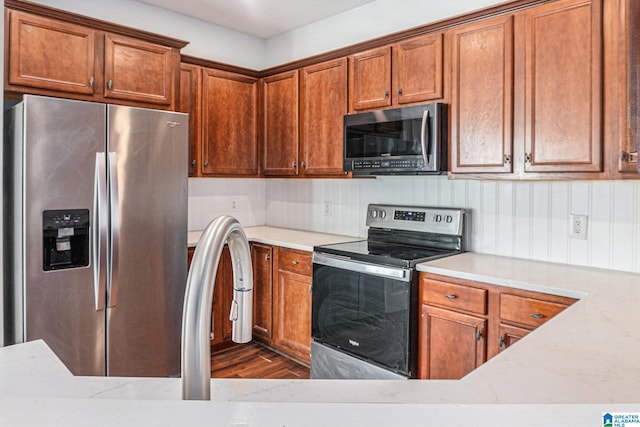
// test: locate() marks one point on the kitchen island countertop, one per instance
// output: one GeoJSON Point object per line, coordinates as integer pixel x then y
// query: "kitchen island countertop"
{"type": "Point", "coordinates": [570, 370]}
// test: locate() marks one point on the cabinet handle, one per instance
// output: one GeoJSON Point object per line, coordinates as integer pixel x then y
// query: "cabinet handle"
{"type": "Point", "coordinates": [451, 296]}
{"type": "Point", "coordinates": [110, 85]}
{"type": "Point", "coordinates": [293, 165]}
{"type": "Point", "coordinates": [205, 164]}
{"type": "Point", "coordinates": [193, 162]}
{"type": "Point", "coordinates": [507, 159]}
{"type": "Point", "coordinates": [501, 342]}
{"type": "Point", "coordinates": [527, 158]}
{"type": "Point", "coordinates": [628, 157]}
{"type": "Point", "coordinates": [91, 82]}
{"type": "Point", "coordinates": [538, 315]}
{"type": "Point", "coordinates": [303, 165]}
{"type": "Point", "coordinates": [399, 92]}
{"type": "Point", "coordinates": [294, 262]}
{"type": "Point", "coordinates": [267, 257]}
{"type": "Point", "coordinates": [386, 94]}
{"type": "Point", "coordinates": [478, 335]}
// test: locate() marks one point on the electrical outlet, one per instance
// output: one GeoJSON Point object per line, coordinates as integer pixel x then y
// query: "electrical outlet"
{"type": "Point", "coordinates": [578, 226]}
{"type": "Point", "coordinates": [328, 209]}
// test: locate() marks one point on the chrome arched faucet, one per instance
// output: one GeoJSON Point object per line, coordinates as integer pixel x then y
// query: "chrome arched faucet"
{"type": "Point", "coordinates": [196, 317]}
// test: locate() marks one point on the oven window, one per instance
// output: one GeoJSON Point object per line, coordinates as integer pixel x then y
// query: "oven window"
{"type": "Point", "coordinates": [392, 138]}
{"type": "Point", "coordinates": [364, 315]}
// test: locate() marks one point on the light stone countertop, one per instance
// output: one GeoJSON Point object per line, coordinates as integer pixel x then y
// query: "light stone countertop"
{"type": "Point", "coordinates": [578, 365]}
{"type": "Point", "coordinates": [284, 237]}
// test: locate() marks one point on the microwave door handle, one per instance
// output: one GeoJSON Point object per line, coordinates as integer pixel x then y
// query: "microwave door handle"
{"type": "Point", "coordinates": [423, 137]}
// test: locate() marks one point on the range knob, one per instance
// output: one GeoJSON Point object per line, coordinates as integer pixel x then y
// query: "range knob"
{"type": "Point", "coordinates": [373, 213]}
{"type": "Point", "coordinates": [383, 214]}
{"type": "Point", "coordinates": [437, 218]}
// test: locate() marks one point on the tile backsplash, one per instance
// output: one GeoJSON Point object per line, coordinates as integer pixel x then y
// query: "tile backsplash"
{"type": "Point", "coordinates": [512, 218]}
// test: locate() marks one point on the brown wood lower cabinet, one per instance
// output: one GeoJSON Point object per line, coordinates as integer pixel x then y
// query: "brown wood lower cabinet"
{"type": "Point", "coordinates": [222, 297]}
{"type": "Point", "coordinates": [454, 343]}
{"type": "Point", "coordinates": [262, 261]}
{"type": "Point", "coordinates": [464, 323]}
{"type": "Point", "coordinates": [292, 308]}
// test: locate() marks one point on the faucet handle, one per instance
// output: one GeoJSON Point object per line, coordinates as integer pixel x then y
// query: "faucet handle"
{"type": "Point", "coordinates": [233, 313]}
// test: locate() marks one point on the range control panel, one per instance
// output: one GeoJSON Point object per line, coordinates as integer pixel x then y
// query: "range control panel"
{"type": "Point", "coordinates": [417, 218]}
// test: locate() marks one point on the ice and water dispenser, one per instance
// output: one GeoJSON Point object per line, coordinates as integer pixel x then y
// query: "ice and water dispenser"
{"type": "Point", "coordinates": [65, 239]}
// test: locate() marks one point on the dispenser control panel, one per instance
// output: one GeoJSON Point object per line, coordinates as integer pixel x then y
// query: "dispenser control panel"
{"type": "Point", "coordinates": [65, 239]}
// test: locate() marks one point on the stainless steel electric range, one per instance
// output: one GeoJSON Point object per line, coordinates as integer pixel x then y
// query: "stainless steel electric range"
{"type": "Point", "coordinates": [365, 293]}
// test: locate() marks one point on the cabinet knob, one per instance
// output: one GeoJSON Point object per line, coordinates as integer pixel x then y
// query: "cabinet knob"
{"type": "Point", "coordinates": [479, 335]}
{"type": "Point", "coordinates": [205, 164]}
{"type": "Point", "coordinates": [294, 262]}
{"type": "Point", "coordinates": [193, 162]}
{"type": "Point", "coordinates": [527, 158]}
{"type": "Point", "coordinates": [303, 165]}
{"type": "Point", "coordinates": [399, 91]}
{"type": "Point", "coordinates": [538, 315]}
{"type": "Point", "coordinates": [507, 159]}
{"type": "Point", "coordinates": [293, 165]}
{"type": "Point", "coordinates": [91, 81]}
{"type": "Point", "coordinates": [451, 296]}
{"type": "Point", "coordinates": [110, 85]}
{"type": "Point", "coordinates": [267, 257]}
{"type": "Point", "coordinates": [386, 94]}
{"type": "Point", "coordinates": [501, 342]}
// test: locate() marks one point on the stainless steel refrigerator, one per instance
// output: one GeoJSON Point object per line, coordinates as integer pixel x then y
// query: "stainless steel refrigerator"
{"type": "Point", "coordinates": [96, 234]}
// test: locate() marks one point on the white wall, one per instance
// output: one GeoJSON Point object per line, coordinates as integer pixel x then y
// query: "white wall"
{"type": "Point", "coordinates": [519, 219]}
{"type": "Point", "coordinates": [366, 22]}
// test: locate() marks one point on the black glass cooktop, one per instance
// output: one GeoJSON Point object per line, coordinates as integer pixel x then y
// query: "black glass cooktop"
{"type": "Point", "coordinates": [385, 252]}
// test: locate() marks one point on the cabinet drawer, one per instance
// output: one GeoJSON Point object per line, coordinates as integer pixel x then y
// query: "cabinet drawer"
{"type": "Point", "coordinates": [295, 261]}
{"type": "Point", "coordinates": [454, 296]}
{"type": "Point", "coordinates": [527, 311]}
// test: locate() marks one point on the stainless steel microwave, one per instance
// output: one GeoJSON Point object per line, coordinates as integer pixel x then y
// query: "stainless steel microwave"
{"type": "Point", "coordinates": [408, 140]}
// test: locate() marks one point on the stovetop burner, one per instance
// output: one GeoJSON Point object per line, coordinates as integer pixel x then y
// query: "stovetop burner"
{"type": "Point", "coordinates": [405, 236]}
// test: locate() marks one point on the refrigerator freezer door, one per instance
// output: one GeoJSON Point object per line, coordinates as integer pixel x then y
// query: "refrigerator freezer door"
{"type": "Point", "coordinates": [150, 257]}
{"type": "Point", "coordinates": [59, 144]}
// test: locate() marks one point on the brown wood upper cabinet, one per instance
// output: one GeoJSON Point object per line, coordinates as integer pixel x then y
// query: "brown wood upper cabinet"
{"type": "Point", "coordinates": [406, 72]}
{"type": "Point", "coordinates": [629, 116]}
{"type": "Point", "coordinates": [223, 132]}
{"type": "Point", "coordinates": [280, 124]}
{"type": "Point", "coordinates": [54, 57]}
{"type": "Point", "coordinates": [323, 104]}
{"type": "Point", "coordinates": [527, 92]}
{"type": "Point", "coordinates": [482, 96]}
{"type": "Point", "coordinates": [303, 120]}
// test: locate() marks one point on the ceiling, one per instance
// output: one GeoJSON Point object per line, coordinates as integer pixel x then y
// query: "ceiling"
{"type": "Point", "coordinates": [262, 18]}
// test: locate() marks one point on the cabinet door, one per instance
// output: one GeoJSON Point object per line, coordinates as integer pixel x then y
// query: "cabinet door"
{"type": "Point", "coordinates": [294, 314]}
{"type": "Point", "coordinates": [482, 93]}
{"type": "Point", "coordinates": [222, 296]}
{"type": "Point", "coordinates": [417, 69]}
{"type": "Point", "coordinates": [139, 71]}
{"type": "Point", "coordinates": [323, 104]}
{"type": "Point", "coordinates": [563, 83]}
{"type": "Point", "coordinates": [49, 54]}
{"type": "Point", "coordinates": [630, 139]}
{"type": "Point", "coordinates": [280, 128]}
{"type": "Point", "coordinates": [262, 260]}
{"type": "Point", "coordinates": [230, 123]}
{"type": "Point", "coordinates": [451, 344]}
{"type": "Point", "coordinates": [509, 335]}
{"type": "Point", "coordinates": [188, 102]}
{"type": "Point", "coordinates": [370, 79]}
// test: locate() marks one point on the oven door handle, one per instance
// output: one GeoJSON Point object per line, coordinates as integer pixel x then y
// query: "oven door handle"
{"type": "Point", "coordinates": [394, 273]}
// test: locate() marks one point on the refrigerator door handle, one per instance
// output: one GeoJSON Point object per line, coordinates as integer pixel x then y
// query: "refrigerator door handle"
{"type": "Point", "coordinates": [100, 227]}
{"type": "Point", "coordinates": [115, 229]}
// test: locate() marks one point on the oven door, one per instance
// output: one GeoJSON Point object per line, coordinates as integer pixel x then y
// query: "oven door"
{"type": "Point", "coordinates": [366, 310]}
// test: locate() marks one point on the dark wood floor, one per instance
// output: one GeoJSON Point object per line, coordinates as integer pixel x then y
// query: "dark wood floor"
{"type": "Point", "coordinates": [253, 360]}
